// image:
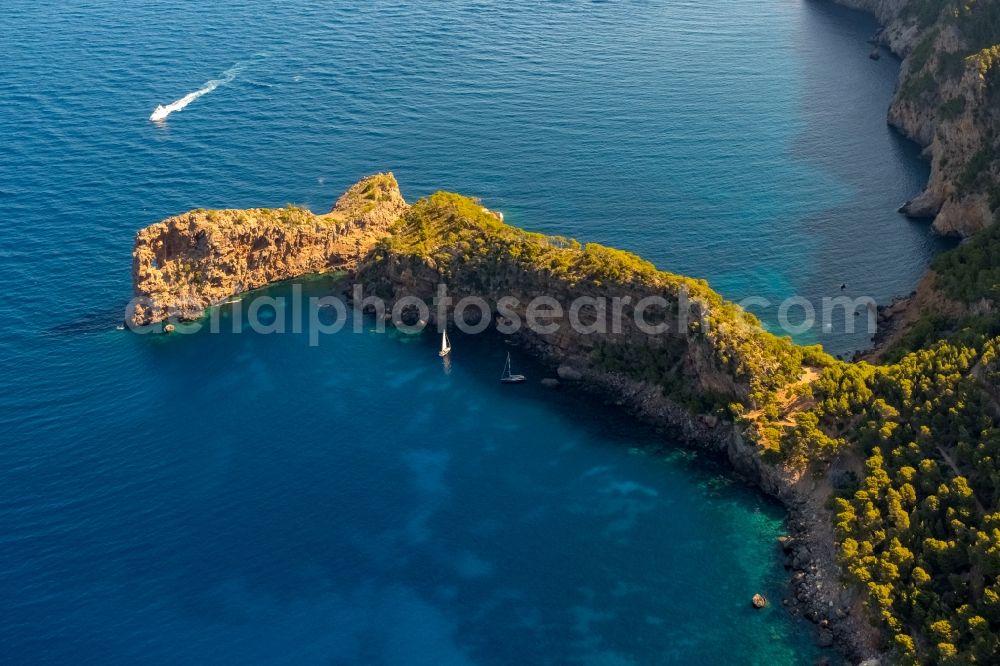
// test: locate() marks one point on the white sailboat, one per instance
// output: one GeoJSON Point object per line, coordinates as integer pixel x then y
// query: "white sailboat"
{"type": "Point", "coordinates": [507, 377]}
{"type": "Point", "coordinates": [445, 344]}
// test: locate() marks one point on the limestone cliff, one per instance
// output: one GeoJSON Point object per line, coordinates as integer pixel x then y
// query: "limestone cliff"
{"type": "Point", "coordinates": [184, 264]}
{"type": "Point", "coordinates": [948, 100]}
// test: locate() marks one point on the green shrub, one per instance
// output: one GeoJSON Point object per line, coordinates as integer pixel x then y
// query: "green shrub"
{"type": "Point", "coordinates": [952, 108]}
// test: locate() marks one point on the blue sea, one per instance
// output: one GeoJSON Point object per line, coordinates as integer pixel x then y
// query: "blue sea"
{"type": "Point", "coordinates": [245, 498]}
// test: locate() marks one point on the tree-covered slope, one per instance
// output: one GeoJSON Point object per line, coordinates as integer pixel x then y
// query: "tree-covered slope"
{"type": "Point", "coordinates": [718, 355]}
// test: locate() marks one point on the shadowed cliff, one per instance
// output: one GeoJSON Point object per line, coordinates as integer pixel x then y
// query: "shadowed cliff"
{"type": "Point", "coordinates": [948, 100]}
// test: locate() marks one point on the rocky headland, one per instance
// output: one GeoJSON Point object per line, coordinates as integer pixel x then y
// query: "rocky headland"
{"type": "Point", "coordinates": [947, 101]}
{"type": "Point", "coordinates": [888, 470]}
{"type": "Point", "coordinates": [714, 378]}
{"type": "Point", "coordinates": [189, 262]}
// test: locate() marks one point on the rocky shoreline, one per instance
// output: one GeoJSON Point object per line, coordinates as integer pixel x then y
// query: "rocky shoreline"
{"type": "Point", "coordinates": [815, 590]}
{"type": "Point", "coordinates": [949, 142]}
{"type": "Point", "coordinates": [942, 103]}
{"type": "Point", "coordinates": [808, 550]}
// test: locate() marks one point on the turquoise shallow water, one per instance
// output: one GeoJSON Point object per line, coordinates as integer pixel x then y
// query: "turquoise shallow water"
{"type": "Point", "coordinates": [248, 498]}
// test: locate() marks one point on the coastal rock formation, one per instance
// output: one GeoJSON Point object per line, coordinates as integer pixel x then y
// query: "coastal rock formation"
{"type": "Point", "coordinates": [948, 100]}
{"type": "Point", "coordinates": [708, 373]}
{"type": "Point", "coordinates": [184, 264]}
{"type": "Point", "coordinates": [954, 119]}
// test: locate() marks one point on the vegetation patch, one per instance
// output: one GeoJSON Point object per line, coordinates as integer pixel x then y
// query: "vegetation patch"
{"type": "Point", "coordinates": [971, 272]}
{"type": "Point", "coordinates": [953, 108]}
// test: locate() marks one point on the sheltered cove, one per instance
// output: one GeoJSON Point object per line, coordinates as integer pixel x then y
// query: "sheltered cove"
{"type": "Point", "coordinates": [190, 262]}
{"type": "Point", "coordinates": [791, 420]}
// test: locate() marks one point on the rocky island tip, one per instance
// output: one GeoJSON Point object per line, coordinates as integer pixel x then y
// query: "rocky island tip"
{"type": "Point", "coordinates": [186, 263]}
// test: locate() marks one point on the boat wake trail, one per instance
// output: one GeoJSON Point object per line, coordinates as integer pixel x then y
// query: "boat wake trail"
{"type": "Point", "coordinates": [162, 111]}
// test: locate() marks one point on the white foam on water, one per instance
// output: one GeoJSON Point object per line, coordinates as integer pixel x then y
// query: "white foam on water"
{"type": "Point", "coordinates": [162, 111]}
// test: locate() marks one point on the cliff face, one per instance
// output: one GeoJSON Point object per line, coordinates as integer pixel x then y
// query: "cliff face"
{"type": "Point", "coordinates": [184, 264]}
{"type": "Point", "coordinates": [947, 101]}
{"type": "Point", "coordinates": [692, 357]}
{"type": "Point", "coordinates": [952, 115]}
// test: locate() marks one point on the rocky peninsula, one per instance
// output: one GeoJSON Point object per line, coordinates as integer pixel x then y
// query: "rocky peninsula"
{"type": "Point", "coordinates": [888, 470]}
{"type": "Point", "coordinates": [714, 382]}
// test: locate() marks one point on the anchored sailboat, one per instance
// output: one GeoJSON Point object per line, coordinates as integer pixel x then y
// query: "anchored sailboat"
{"type": "Point", "coordinates": [507, 377]}
{"type": "Point", "coordinates": [445, 344]}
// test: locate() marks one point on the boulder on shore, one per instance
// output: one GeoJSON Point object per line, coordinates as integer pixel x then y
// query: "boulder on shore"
{"type": "Point", "coordinates": [569, 373]}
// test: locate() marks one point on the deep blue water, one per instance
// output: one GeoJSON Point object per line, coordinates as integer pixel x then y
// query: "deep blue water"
{"type": "Point", "coordinates": [246, 498]}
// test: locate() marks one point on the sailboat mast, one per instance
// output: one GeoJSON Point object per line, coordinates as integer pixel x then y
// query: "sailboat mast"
{"type": "Point", "coordinates": [445, 345]}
